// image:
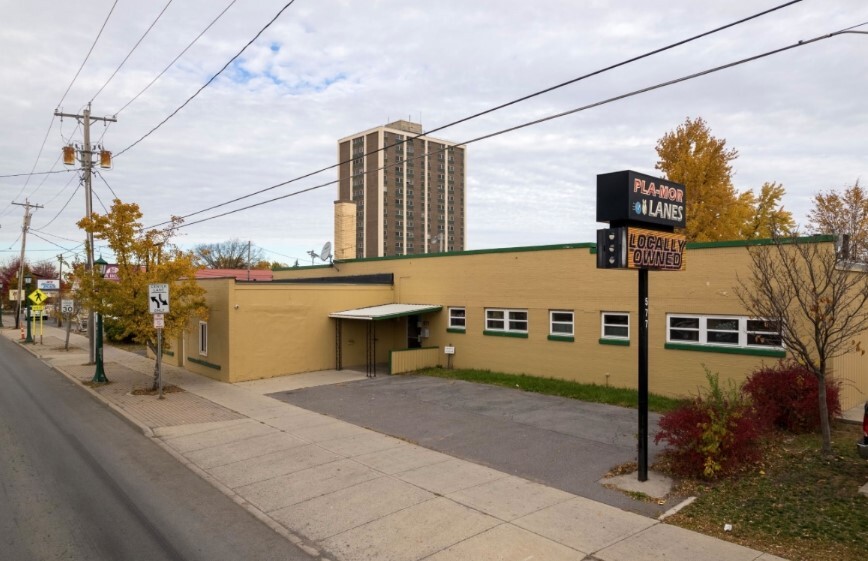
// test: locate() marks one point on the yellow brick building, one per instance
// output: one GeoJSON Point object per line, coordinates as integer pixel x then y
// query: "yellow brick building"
{"type": "Point", "coordinates": [545, 311]}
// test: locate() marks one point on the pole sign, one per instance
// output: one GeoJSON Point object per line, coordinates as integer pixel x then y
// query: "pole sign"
{"type": "Point", "coordinates": [643, 213]}
{"type": "Point", "coordinates": [67, 306]}
{"type": "Point", "coordinates": [159, 321]}
{"type": "Point", "coordinates": [158, 298]}
{"type": "Point", "coordinates": [48, 284]}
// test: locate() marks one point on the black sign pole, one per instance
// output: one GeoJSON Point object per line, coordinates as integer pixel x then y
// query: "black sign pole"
{"type": "Point", "coordinates": [643, 374]}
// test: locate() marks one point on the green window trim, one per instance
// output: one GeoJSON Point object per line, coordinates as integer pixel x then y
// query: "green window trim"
{"type": "Point", "coordinates": [204, 363]}
{"type": "Point", "coordinates": [776, 353]}
{"type": "Point", "coordinates": [169, 353]}
{"type": "Point", "coordinates": [564, 338]}
{"type": "Point", "coordinates": [455, 330]}
{"type": "Point", "coordinates": [505, 334]}
{"type": "Point", "coordinates": [617, 342]}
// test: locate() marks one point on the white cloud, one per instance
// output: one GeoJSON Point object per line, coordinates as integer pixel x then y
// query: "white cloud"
{"type": "Point", "coordinates": [328, 69]}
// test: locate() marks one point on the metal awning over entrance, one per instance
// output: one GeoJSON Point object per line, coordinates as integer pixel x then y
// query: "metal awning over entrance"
{"type": "Point", "coordinates": [386, 311]}
{"type": "Point", "coordinates": [372, 314]}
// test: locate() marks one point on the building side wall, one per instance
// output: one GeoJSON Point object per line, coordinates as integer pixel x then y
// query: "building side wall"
{"type": "Point", "coordinates": [540, 281]}
{"type": "Point", "coordinates": [216, 364]}
{"type": "Point", "coordinates": [285, 329]}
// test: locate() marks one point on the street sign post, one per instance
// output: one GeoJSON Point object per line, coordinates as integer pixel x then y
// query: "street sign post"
{"type": "Point", "coordinates": [158, 303]}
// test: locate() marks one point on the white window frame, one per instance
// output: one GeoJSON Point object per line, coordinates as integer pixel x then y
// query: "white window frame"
{"type": "Point", "coordinates": [604, 324]}
{"type": "Point", "coordinates": [507, 320]}
{"type": "Point", "coordinates": [571, 323]}
{"type": "Point", "coordinates": [463, 318]}
{"type": "Point", "coordinates": [744, 335]}
{"type": "Point", "coordinates": [203, 338]}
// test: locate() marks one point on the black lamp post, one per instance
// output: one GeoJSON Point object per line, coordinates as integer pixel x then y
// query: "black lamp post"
{"type": "Point", "coordinates": [99, 375]}
{"type": "Point", "coordinates": [27, 318]}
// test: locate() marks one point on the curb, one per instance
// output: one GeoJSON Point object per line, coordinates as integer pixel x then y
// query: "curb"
{"type": "Point", "coordinates": [144, 429]}
{"type": "Point", "coordinates": [298, 541]}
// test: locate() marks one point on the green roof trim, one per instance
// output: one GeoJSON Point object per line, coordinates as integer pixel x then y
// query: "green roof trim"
{"type": "Point", "coordinates": [519, 249]}
{"type": "Point", "coordinates": [616, 342]}
{"type": "Point", "coordinates": [762, 241]}
{"type": "Point", "coordinates": [505, 334]}
{"type": "Point", "coordinates": [302, 267]}
{"type": "Point", "coordinates": [775, 353]}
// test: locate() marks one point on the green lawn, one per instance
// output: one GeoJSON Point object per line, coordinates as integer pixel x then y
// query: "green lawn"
{"type": "Point", "coordinates": [550, 386]}
{"type": "Point", "coordinates": [798, 504]}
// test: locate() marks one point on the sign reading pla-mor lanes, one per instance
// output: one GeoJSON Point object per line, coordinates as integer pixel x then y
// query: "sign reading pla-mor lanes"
{"type": "Point", "coordinates": [631, 197]}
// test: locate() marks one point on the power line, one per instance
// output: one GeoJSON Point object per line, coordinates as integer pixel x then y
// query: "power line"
{"type": "Point", "coordinates": [115, 195]}
{"type": "Point", "coordinates": [174, 60]}
{"type": "Point", "coordinates": [504, 105]}
{"type": "Point", "coordinates": [142, 38]}
{"type": "Point", "coordinates": [47, 224]}
{"type": "Point", "coordinates": [552, 117]}
{"type": "Point", "coordinates": [214, 77]}
{"type": "Point", "coordinates": [74, 78]}
{"type": "Point", "coordinates": [37, 173]}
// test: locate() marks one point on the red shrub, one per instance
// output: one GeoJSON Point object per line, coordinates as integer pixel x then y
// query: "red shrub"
{"type": "Point", "coordinates": [714, 435]}
{"type": "Point", "coordinates": [785, 397]}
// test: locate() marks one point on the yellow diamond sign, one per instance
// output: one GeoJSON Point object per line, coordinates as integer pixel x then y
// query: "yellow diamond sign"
{"type": "Point", "coordinates": [37, 297]}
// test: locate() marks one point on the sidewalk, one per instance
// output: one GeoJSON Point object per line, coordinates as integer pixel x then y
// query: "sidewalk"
{"type": "Point", "coordinates": [346, 493]}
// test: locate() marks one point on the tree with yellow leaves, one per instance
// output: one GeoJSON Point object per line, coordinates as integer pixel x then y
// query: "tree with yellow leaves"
{"type": "Point", "coordinates": [716, 211]}
{"type": "Point", "coordinates": [143, 257]}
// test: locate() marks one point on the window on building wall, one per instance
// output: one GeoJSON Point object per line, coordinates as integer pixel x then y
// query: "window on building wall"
{"type": "Point", "coordinates": [615, 325]}
{"type": "Point", "coordinates": [723, 331]}
{"type": "Point", "coordinates": [506, 320]}
{"type": "Point", "coordinates": [457, 318]}
{"type": "Point", "coordinates": [203, 338]}
{"type": "Point", "coordinates": [561, 323]}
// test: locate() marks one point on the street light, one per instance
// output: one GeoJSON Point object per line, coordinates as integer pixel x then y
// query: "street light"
{"type": "Point", "coordinates": [99, 375]}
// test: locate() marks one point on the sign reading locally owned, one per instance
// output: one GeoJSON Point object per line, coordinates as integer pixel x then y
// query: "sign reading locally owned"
{"type": "Point", "coordinates": [650, 249]}
{"type": "Point", "coordinates": [630, 197]}
{"type": "Point", "coordinates": [48, 284]}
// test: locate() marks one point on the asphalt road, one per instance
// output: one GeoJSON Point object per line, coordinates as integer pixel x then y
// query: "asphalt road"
{"type": "Point", "coordinates": [560, 442]}
{"type": "Point", "coordinates": [78, 483]}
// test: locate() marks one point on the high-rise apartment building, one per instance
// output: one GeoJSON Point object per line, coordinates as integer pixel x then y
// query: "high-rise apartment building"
{"type": "Point", "coordinates": [408, 192]}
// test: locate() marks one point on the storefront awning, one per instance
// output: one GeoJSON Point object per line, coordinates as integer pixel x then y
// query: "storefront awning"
{"type": "Point", "coordinates": [386, 311]}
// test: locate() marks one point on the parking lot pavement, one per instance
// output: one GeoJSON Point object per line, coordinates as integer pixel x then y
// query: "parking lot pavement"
{"type": "Point", "coordinates": [562, 443]}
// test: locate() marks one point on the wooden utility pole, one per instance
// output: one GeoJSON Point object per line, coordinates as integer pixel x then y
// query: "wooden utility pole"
{"type": "Point", "coordinates": [86, 159]}
{"type": "Point", "coordinates": [27, 206]}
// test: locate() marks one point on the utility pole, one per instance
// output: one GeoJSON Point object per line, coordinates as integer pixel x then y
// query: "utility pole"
{"type": "Point", "coordinates": [248, 259]}
{"type": "Point", "coordinates": [86, 158]}
{"type": "Point", "coordinates": [27, 206]}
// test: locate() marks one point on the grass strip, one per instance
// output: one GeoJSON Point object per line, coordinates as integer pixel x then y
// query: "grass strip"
{"type": "Point", "coordinates": [595, 393]}
{"type": "Point", "coordinates": [798, 504]}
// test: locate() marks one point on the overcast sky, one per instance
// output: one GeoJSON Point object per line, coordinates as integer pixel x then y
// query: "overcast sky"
{"type": "Point", "coordinates": [326, 69]}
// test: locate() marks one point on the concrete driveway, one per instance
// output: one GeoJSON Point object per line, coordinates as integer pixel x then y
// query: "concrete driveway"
{"type": "Point", "coordinates": [560, 442]}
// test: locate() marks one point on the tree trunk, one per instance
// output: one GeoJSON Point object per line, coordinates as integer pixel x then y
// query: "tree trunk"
{"type": "Point", "coordinates": [825, 427]}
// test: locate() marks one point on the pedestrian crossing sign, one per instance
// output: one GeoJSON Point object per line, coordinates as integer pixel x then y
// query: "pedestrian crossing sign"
{"type": "Point", "coordinates": [37, 297]}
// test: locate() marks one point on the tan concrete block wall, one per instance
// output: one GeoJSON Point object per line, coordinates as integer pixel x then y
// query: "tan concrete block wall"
{"type": "Point", "coordinates": [543, 280]}
{"type": "Point", "coordinates": [345, 230]}
{"type": "Point", "coordinates": [285, 329]}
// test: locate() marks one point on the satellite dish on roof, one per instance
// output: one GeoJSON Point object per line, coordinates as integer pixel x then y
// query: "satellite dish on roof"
{"type": "Point", "coordinates": [326, 252]}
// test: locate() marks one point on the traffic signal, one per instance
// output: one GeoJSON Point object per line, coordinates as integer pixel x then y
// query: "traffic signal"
{"type": "Point", "coordinates": [612, 248]}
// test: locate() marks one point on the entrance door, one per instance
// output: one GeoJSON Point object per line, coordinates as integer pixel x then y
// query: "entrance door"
{"type": "Point", "coordinates": [414, 332]}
